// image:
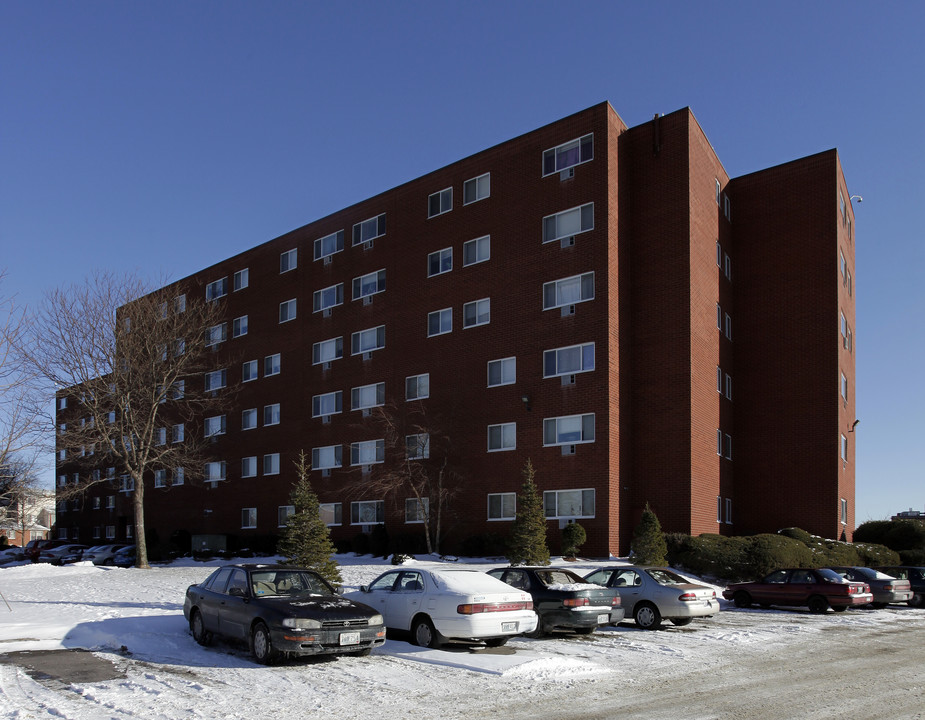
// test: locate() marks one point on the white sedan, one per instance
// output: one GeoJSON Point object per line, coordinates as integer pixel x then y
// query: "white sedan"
{"type": "Point", "coordinates": [449, 604]}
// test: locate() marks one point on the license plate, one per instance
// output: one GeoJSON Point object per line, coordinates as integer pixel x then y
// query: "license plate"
{"type": "Point", "coordinates": [508, 627]}
{"type": "Point", "coordinates": [350, 638]}
{"type": "Point", "coordinates": [603, 619]}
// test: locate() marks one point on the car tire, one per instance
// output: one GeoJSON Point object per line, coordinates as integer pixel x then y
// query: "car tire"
{"type": "Point", "coordinates": [262, 645]}
{"type": "Point", "coordinates": [585, 630]}
{"type": "Point", "coordinates": [361, 653]}
{"type": "Point", "coordinates": [878, 605]}
{"type": "Point", "coordinates": [198, 630]}
{"type": "Point", "coordinates": [917, 601]}
{"type": "Point", "coordinates": [742, 599]}
{"type": "Point", "coordinates": [681, 622]}
{"type": "Point", "coordinates": [817, 604]}
{"type": "Point", "coordinates": [424, 634]}
{"type": "Point", "coordinates": [647, 616]}
{"type": "Point", "coordinates": [496, 642]}
{"type": "Point", "coordinates": [839, 608]}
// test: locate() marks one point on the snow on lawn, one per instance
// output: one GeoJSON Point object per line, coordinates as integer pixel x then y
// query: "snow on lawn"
{"type": "Point", "coordinates": [135, 618]}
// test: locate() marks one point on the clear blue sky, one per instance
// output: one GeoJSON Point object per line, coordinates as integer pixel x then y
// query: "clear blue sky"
{"type": "Point", "coordinates": [165, 136]}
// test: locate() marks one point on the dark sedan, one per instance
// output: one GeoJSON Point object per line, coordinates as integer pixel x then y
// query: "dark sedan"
{"type": "Point", "coordinates": [280, 610]}
{"type": "Point", "coordinates": [563, 600]}
{"type": "Point", "coordinates": [885, 588]}
{"type": "Point", "coordinates": [916, 577]}
{"type": "Point", "coordinates": [816, 589]}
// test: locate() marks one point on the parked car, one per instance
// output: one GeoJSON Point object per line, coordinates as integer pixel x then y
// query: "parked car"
{"type": "Point", "coordinates": [124, 557]}
{"type": "Point", "coordinates": [562, 599]}
{"type": "Point", "coordinates": [449, 604]}
{"type": "Point", "coordinates": [62, 554]}
{"type": "Point", "coordinates": [650, 594]}
{"type": "Point", "coordinates": [103, 554]}
{"type": "Point", "coordinates": [34, 547]}
{"type": "Point", "coordinates": [280, 610]}
{"type": "Point", "coordinates": [816, 589]}
{"type": "Point", "coordinates": [916, 577]}
{"type": "Point", "coordinates": [885, 588]}
{"type": "Point", "coordinates": [10, 553]}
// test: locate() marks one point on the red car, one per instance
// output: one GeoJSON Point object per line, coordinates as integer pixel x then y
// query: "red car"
{"type": "Point", "coordinates": [816, 589]}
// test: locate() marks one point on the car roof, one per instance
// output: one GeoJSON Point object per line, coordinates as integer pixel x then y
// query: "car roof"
{"type": "Point", "coordinates": [266, 566]}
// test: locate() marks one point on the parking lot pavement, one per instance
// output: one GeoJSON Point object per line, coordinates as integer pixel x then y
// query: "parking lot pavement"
{"type": "Point", "coordinates": [68, 667]}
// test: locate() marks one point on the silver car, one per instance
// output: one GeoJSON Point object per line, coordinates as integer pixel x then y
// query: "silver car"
{"type": "Point", "coordinates": [102, 554]}
{"type": "Point", "coordinates": [649, 594]}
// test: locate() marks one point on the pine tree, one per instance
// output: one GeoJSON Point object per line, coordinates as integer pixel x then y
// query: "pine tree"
{"type": "Point", "coordinates": [527, 543]}
{"type": "Point", "coordinates": [306, 541]}
{"type": "Point", "coordinates": [649, 546]}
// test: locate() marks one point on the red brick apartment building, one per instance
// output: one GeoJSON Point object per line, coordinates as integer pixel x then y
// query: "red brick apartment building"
{"type": "Point", "coordinates": [602, 300]}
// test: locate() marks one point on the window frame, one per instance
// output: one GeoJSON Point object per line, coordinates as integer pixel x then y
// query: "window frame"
{"type": "Point", "coordinates": [556, 285]}
{"type": "Point", "coordinates": [319, 243]}
{"type": "Point", "coordinates": [422, 447]}
{"type": "Point", "coordinates": [440, 196]}
{"type": "Point", "coordinates": [249, 466]}
{"type": "Point", "coordinates": [582, 354]}
{"type": "Point", "coordinates": [501, 517]}
{"type": "Point", "coordinates": [479, 313]}
{"type": "Point", "coordinates": [241, 279]}
{"type": "Point", "coordinates": [250, 371]}
{"type": "Point", "coordinates": [356, 394]}
{"type": "Point", "coordinates": [358, 229]}
{"type": "Point", "coordinates": [569, 516]}
{"type": "Point", "coordinates": [249, 518]}
{"type": "Point", "coordinates": [359, 294]}
{"type": "Point", "coordinates": [475, 182]}
{"type": "Point", "coordinates": [477, 241]}
{"type": "Point", "coordinates": [580, 209]}
{"type": "Point", "coordinates": [356, 338]}
{"type": "Point", "coordinates": [337, 396]}
{"type": "Point", "coordinates": [318, 347]}
{"type": "Point", "coordinates": [504, 428]}
{"type": "Point", "coordinates": [554, 153]}
{"type": "Point", "coordinates": [503, 364]}
{"type": "Point", "coordinates": [288, 260]}
{"type": "Point", "coordinates": [440, 316]}
{"type": "Point", "coordinates": [239, 326]}
{"type": "Point", "coordinates": [357, 448]}
{"type": "Point", "coordinates": [292, 304]}
{"type": "Point", "coordinates": [322, 301]}
{"type": "Point", "coordinates": [583, 440]}
{"type": "Point", "coordinates": [440, 256]}
{"type": "Point", "coordinates": [320, 454]}
{"type": "Point", "coordinates": [417, 386]}
{"type": "Point", "coordinates": [356, 512]}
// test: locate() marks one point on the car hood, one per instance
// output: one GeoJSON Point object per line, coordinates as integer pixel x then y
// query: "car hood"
{"type": "Point", "coordinates": [332, 607]}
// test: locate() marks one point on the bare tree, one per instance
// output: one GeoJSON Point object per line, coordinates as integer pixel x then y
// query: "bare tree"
{"type": "Point", "coordinates": [128, 365]}
{"type": "Point", "coordinates": [20, 496]}
{"type": "Point", "coordinates": [419, 462]}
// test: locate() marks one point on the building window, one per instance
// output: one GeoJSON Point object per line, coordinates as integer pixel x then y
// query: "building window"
{"type": "Point", "coordinates": [568, 360]}
{"type": "Point", "coordinates": [331, 513]}
{"type": "Point", "coordinates": [369, 230]}
{"type": "Point", "coordinates": [271, 414]}
{"type": "Point", "coordinates": [417, 447]}
{"type": "Point", "coordinates": [476, 251]}
{"type": "Point", "coordinates": [440, 322]}
{"type": "Point", "coordinates": [728, 387]}
{"type": "Point", "coordinates": [719, 509]}
{"type": "Point", "coordinates": [331, 403]}
{"type": "Point", "coordinates": [568, 291]}
{"type": "Point", "coordinates": [179, 476]}
{"type": "Point", "coordinates": [843, 387]}
{"type": "Point", "coordinates": [574, 152]}
{"type": "Point", "coordinates": [729, 511]}
{"type": "Point", "coordinates": [324, 458]}
{"type": "Point", "coordinates": [477, 312]}
{"type": "Point", "coordinates": [214, 471]}
{"type": "Point", "coordinates": [416, 509]}
{"type": "Point", "coordinates": [440, 262]}
{"type": "Point", "coordinates": [283, 513]}
{"type": "Point", "coordinates": [368, 452]}
{"type": "Point", "coordinates": [367, 396]}
{"type": "Point", "coordinates": [728, 267]}
{"type": "Point", "coordinates": [160, 478]}
{"type": "Point", "coordinates": [366, 341]}
{"type": "Point", "coordinates": [369, 284]}
{"type": "Point", "coordinates": [844, 511]}
{"type": "Point", "coordinates": [719, 193]}
{"type": "Point", "coordinates": [248, 518]}
{"type": "Point", "coordinates": [568, 223]}
{"type": "Point", "coordinates": [249, 467]}
{"type": "Point", "coordinates": [502, 506]}
{"type": "Point", "coordinates": [215, 380]}
{"type": "Point", "coordinates": [440, 202]}
{"type": "Point", "coordinates": [271, 464]}
{"type": "Point", "coordinates": [287, 310]}
{"type": "Point", "coordinates": [417, 387]}
{"type": "Point", "coordinates": [288, 260]}
{"type": "Point", "coordinates": [328, 297]}
{"type": "Point", "coordinates": [214, 425]}
{"type": "Point", "coordinates": [327, 350]}
{"type": "Point", "coordinates": [97, 502]}
{"type": "Point", "coordinates": [728, 327]}
{"type": "Point", "coordinates": [502, 372]}
{"type": "Point", "coordinates": [241, 279]}
{"type": "Point", "coordinates": [249, 371]}
{"type": "Point", "coordinates": [844, 448]}
{"type": "Point", "coordinates": [217, 289]}
{"type": "Point", "coordinates": [271, 365]}
{"type": "Point", "coordinates": [160, 437]}
{"type": "Point", "coordinates": [329, 244]}
{"type": "Point", "coordinates": [568, 430]}
{"type": "Point", "coordinates": [502, 437]}
{"type": "Point", "coordinates": [569, 503]}
{"type": "Point", "coordinates": [215, 334]}
{"type": "Point", "coordinates": [367, 512]}
{"type": "Point", "coordinates": [249, 419]}
{"type": "Point", "coordinates": [178, 433]}
{"type": "Point", "coordinates": [478, 188]}
{"type": "Point", "coordinates": [727, 207]}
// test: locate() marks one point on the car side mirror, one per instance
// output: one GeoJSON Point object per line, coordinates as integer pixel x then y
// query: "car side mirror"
{"type": "Point", "coordinates": [364, 588]}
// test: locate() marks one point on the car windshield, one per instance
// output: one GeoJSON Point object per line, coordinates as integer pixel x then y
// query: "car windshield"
{"type": "Point", "coordinates": [831, 576]}
{"type": "Point", "coordinates": [287, 582]}
{"type": "Point", "coordinates": [558, 577]}
{"type": "Point", "coordinates": [666, 577]}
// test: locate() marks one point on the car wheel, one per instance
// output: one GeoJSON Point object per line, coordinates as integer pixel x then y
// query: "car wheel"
{"type": "Point", "coordinates": [261, 645]}
{"type": "Point", "coordinates": [647, 616]}
{"type": "Point", "coordinates": [496, 642]}
{"type": "Point", "coordinates": [681, 622]}
{"type": "Point", "coordinates": [742, 599]}
{"type": "Point", "coordinates": [877, 606]}
{"type": "Point", "coordinates": [198, 629]}
{"type": "Point", "coordinates": [107, 562]}
{"type": "Point", "coordinates": [424, 634]}
{"type": "Point", "coordinates": [839, 608]}
{"type": "Point", "coordinates": [361, 653]}
{"type": "Point", "coordinates": [818, 604]}
{"type": "Point", "coordinates": [585, 630]}
{"type": "Point", "coordinates": [918, 599]}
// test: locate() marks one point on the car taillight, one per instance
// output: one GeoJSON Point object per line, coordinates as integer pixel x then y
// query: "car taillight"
{"type": "Point", "coordinates": [616, 601]}
{"type": "Point", "coordinates": [888, 587]}
{"type": "Point", "coordinates": [576, 602]}
{"type": "Point", "coordinates": [687, 597]}
{"type": "Point", "coordinates": [474, 608]}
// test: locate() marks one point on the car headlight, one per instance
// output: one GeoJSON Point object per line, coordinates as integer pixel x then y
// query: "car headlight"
{"type": "Point", "coordinates": [376, 620]}
{"type": "Point", "coordinates": [302, 623]}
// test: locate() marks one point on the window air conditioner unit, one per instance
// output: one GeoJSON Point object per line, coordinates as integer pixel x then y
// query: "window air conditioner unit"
{"type": "Point", "coordinates": [568, 379]}
{"type": "Point", "coordinates": [366, 469]}
{"type": "Point", "coordinates": [567, 241]}
{"type": "Point", "coordinates": [368, 300]}
{"type": "Point", "coordinates": [326, 472]}
{"type": "Point", "coordinates": [328, 259]}
{"type": "Point", "coordinates": [367, 356]}
{"type": "Point", "coordinates": [568, 449]}
{"type": "Point", "coordinates": [326, 366]}
{"type": "Point", "coordinates": [366, 412]}
{"type": "Point", "coordinates": [368, 245]}
{"type": "Point", "coordinates": [568, 310]}
{"type": "Point", "coordinates": [325, 419]}
{"type": "Point", "coordinates": [567, 174]}
{"type": "Point", "coordinates": [326, 312]}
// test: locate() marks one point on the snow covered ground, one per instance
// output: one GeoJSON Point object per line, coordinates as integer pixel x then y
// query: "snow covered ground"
{"type": "Point", "coordinates": [134, 618]}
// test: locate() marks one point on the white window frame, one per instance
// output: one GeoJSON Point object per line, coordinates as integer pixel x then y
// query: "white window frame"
{"type": "Point", "coordinates": [554, 288]}
{"type": "Point", "coordinates": [330, 403]}
{"type": "Point", "coordinates": [217, 289]}
{"type": "Point", "coordinates": [216, 334]}
{"type": "Point", "coordinates": [367, 452]}
{"type": "Point", "coordinates": [273, 363]}
{"type": "Point", "coordinates": [557, 356]}
{"type": "Point", "coordinates": [508, 498]}
{"type": "Point", "coordinates": [327, 298]}
{"type": "Point", "coordinates": [444, 202]}
{"type": "Point", "coordinates": [214, 426]}
{"type": "Point", "coordinates": [271, 414]}
{"type": "Point", "coordinates": [416, 511]}
{"type": "Point", "coordinates": [249, 371]}
{"type": "Point", "coordinates": [444, 320]}
{"type": "Point", "coordinates": [505, 437]}
{"type": "Point", "coordinates": [367, 341]}
{"type": "Point", "coordinates": [327, 457]}
{"type": "Point", "coordinates": [288, 260]}
{"type": "Point", "coordinates": [552, 497]}
{"type": "Point", "coordinates": [331, 514]}
{"type": "Point", "coordinates": [441, 256]}
{"type": "Point", "coordinates": [843, 445]}
{"type": "Point", "coordinates": [241, 279]}
{"type": "Point", "coordinates": [556, 159]}
{"type": "Point", "coordinates": [323, 245]}
{"type": "Point", "coordinates": [249, 466]}
{"type": "Point", "coordinates": [482, 309]}
{"type": "Point", "coordinates": [369, 284]}
{"type": "Point", "coordinates": [215, 471]}
{"type": "Point", "coordinates": [367, 512]}
{"type": "Point", "coordinates": [160, 478]}
{"type": "Point", "coordinates": [288, 310]}
{"type": "Point", "coordinates": [249, 419]}
{"type": "Point", "coordinates": [249, 518]}
{"type": "Point", "coordinates": [478, 243]}
{"type": "Point", "coordinates": [270, 464]}
{"type": "Point", "coordinates": [178, 433]}
{"type": "Point", "coordinates": [362, 229]}
{"type": "Point", "coordinates": [416, 448]}
{"type": "Point", "coordinates": [179, 476]}
{"type": "Point", "coordinates": [552, 231]}
{"type": "Point", "coordinates": [327, 351]}
{"type": "Point", "coordinates": [482, 189]}
{"type": "Point", "coordinates": [507, 370]}
{"type": "Point", "coordinates": [417, 387]}
{"type": "Point", "coordinates": [283, 513]}
{"type": "Point", "coordinates": [359, 396]}
{"type": "Point", "coordinates": [584, 437]}
{"type": "Point", "coordinates": [215, 380]}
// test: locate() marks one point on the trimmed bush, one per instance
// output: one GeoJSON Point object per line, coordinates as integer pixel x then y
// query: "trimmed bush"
{"type": "Point", "coordinates": [573, 537]}
{"type": "Point", "coordinates": [649, 546]}
{"type": "Point", "coordinates": [897, 535]}
{"type": "Point", "coordinates": [912, 557]}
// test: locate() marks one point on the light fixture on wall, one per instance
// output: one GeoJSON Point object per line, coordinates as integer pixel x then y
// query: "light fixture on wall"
{"type": "Point", "coordinates": [526, 400]}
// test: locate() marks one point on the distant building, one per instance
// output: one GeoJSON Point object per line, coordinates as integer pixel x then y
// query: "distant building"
{"type": "Point", "coordinates": [28, 518]}
{"type": "Point", "coordinates": [909, 514]}
{"type": "Point", "coordinates": [605, 301]}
